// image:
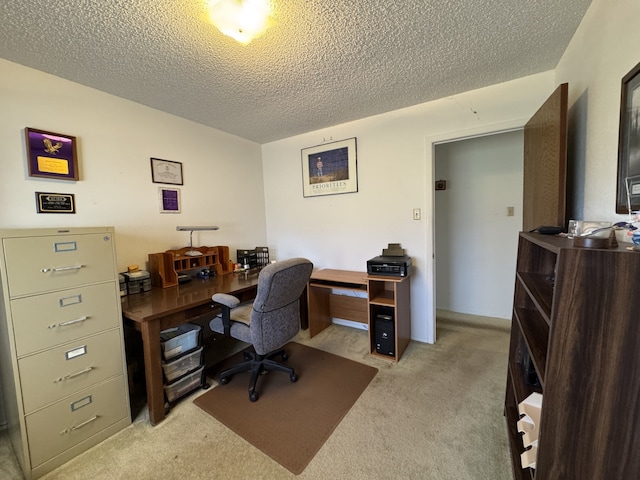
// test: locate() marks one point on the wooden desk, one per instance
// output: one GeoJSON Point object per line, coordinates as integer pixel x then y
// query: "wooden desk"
{"type": "Point", "coordinates": [388, 295]}
{"type": "Point", "coordinates": [162, 308]}
{"type": "Point", "coordinates": [324, 305]}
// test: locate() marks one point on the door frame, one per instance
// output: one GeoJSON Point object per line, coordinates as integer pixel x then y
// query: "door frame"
{"type": "Point", "coordinates": [430, 146]}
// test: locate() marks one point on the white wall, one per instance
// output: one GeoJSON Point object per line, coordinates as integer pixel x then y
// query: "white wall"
{"type": "Point", "coordinates": [116, 138]}
{"type": "Point", "coordinates": [475, 238]}
{"type": "Point", "coordinates": [395, 175]}
{"type": "Point", "coordinates": [603, 50]}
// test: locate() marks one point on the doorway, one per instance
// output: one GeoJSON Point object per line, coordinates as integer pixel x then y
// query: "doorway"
{"type": "Point", "coordinates": [477, 218]}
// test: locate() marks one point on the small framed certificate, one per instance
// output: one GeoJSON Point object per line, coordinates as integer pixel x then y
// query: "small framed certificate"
{"type": "Point", "coordinates": [169, 200]}
{"type": "Point", "coordinates": [55, 202]}
{"type": "Point", "coordinates": [166, 171]}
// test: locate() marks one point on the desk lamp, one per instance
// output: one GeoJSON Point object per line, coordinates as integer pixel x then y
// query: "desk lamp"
{"type": "Point", "coordinates": [192, 252]}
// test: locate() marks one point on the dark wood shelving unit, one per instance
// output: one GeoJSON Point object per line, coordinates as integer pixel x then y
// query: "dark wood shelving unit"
{"type": "Point", "coordinates": [576, 317]}
{"type": "Point", "coordinates": [164, 267]}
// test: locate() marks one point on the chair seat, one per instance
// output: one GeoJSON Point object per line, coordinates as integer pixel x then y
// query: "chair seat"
{"type": "Point", "coordinates": [241, 319]}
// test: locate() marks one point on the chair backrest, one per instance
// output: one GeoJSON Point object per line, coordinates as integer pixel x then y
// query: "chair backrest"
{"type": "Point", "coordinates": [275, 318]}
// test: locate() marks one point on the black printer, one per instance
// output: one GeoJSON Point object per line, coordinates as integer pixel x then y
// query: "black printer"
{"type": "Point", "coordinates": [390, 266]}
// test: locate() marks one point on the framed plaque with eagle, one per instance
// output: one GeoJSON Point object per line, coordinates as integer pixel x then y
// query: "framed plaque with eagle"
{"type": "Point", "coordinates": [51, 155]}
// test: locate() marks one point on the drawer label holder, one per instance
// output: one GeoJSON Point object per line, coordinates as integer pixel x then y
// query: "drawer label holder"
{"type": "Point", "coordinates": [76, 352]}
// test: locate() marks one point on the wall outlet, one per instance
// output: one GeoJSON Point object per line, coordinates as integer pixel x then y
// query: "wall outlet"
{"type": "Point", "coordinates": [510, 211]}
{"type": "Point", "coordinates": [416, 214]}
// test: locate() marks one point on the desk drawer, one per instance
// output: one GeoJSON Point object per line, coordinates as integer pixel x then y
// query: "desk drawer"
{"type": "Point", "coordinates": [41, 264]}
{"type": "Point", "coordinates": [68, 422]}
{"type": "Point", "coordinates": [49, 376]}
{"type": "Point", "coordinates": [51, 319]}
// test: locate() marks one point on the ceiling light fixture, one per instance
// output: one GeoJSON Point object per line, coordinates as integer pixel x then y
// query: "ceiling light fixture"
{"type": "Point", "coordinates": [242, 20]}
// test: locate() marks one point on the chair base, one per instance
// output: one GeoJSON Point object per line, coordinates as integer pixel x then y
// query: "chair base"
{"type": "Point", "coordinates": [258, 365]}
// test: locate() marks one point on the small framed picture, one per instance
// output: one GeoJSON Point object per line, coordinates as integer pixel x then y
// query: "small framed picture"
{"type": "Point", "coordinates": [169, 200]}
{"type": "Point", "coordinates": [330, 169]}
{"type": "Point", "coordinates": [166, 171]}
{"type": "Point", "coordinates": [51, 155]}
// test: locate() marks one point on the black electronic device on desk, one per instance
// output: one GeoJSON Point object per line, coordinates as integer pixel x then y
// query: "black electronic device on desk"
{"type": "Point", "coordinates": [392, 263]}
{"type": "Point", "coordinates": [389, 266]}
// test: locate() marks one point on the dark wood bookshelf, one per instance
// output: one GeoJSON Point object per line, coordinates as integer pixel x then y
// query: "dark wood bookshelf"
{"type": "Point", "coordinates": [576, 317]}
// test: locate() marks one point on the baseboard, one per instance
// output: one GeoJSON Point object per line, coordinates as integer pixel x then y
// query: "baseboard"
{"type": "Point", "coordinates": [349, 323]}
{"type": "Point", "coordinates": [474, 320]}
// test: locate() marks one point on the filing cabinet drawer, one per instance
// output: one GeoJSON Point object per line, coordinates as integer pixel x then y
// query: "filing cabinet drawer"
{"type": "Point", "coordinates": [64, 370]}
{"type": "Point", "coordinates": [53, 318]}
{"type": "Point", "coordinates": [63, 425]}
{"type": "Point", "coordinates": [41, 264]}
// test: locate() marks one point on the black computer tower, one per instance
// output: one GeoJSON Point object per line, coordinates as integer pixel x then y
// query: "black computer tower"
{"type": "Point", "coordinates": [385, 334]}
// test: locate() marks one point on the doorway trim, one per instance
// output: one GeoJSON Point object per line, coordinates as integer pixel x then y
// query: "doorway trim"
{"type": "Point", "coordinates": [429, 148]}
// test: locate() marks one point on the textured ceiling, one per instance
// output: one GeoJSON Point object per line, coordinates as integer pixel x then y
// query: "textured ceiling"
{"type": "Point", "coordinates": [321, 63]}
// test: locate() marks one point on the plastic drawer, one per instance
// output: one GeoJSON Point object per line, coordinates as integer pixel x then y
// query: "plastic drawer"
{"type": "Point", "coordinates": [182, 365]}
{"type": "Point", "coordinates": [178, 340]}
{"type": "Point", "coordinates": [184, 385]}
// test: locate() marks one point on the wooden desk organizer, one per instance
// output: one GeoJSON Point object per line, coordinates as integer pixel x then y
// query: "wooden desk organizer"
{"type": "Point", "coordinates": [165, 266]}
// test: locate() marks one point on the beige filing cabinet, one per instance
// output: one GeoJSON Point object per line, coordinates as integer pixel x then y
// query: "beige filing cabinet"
{"type": "Point", "coordinates": [63, 365]}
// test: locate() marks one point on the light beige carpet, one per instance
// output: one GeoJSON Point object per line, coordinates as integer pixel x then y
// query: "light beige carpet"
{"type": "Point", "coordinates": [435, 415]}
{"type": "Point", "coordinates": [290, 421]}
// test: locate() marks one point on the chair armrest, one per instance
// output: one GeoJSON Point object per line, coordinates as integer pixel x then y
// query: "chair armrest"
{"type": "Point", "coordinates": [226, 300]}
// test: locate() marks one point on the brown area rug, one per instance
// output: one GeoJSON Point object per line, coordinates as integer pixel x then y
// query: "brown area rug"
{"type": "Point", "coordinates": [290, 421]}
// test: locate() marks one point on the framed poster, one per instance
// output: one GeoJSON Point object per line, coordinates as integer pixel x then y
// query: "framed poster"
{"type": "Point", "coordinates": [169, 200]}
{"type": "Point", "coordinates": [330, 169]}
{"type": "Point", "coordinates": [166, 171]}
{"type": "Point", "coordinates": [628, 188]}
{"type": "Point", "coordinates": [51, 155]}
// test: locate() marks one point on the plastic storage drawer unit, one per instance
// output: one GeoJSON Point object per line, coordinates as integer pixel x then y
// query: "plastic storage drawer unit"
{"type": "Point", "coordinates": [182, 365]}
{"type": "Point", "coordinates": [178, 340]}
{"type": "Point", "coordinates": [184, 385]}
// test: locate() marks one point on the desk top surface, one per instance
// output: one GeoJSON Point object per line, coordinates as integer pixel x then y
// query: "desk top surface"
{"type": "Point", "coordinates": [158, 302]}
{"type": "Point", "coordinates": [340, 276]}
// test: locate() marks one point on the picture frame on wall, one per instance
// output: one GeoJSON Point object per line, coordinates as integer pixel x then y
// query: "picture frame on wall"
{"type": "Point", "coordinates": [47, 202]}
{"type": "Point", "coordinates": [166, 171]}
{"type": "Point", "coordinates": [330, 168]}
{"type": "Point", "coordinates": [628, 187]}
{"type": "Point", "coordinates": [51, 155]}
{"type": "Point", "coordinates": [169, 200]}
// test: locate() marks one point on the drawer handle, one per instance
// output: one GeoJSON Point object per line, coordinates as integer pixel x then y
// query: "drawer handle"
{"type": "Point", "coordinates": [73, 375]}
{"type": "Point", "coordinates": [61, 269]}
{"type": "Point", "coordinates": [69, 322]}
{"type": "Point", "coordinates": [80, 425]}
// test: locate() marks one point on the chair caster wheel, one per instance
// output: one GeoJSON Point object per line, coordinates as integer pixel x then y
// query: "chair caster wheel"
{"type": "Point", "coordinates": [253, 396]}
{"type": "Point", "coordinates": [293, 377]}
{"type": "Point", "coordinates": [224, 380]}
{"type": "Point", "coordinates": [284, 356]}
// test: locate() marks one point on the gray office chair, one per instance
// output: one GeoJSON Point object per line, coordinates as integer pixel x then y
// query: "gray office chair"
{"type": "Point", "coordinates": [267, 323]}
